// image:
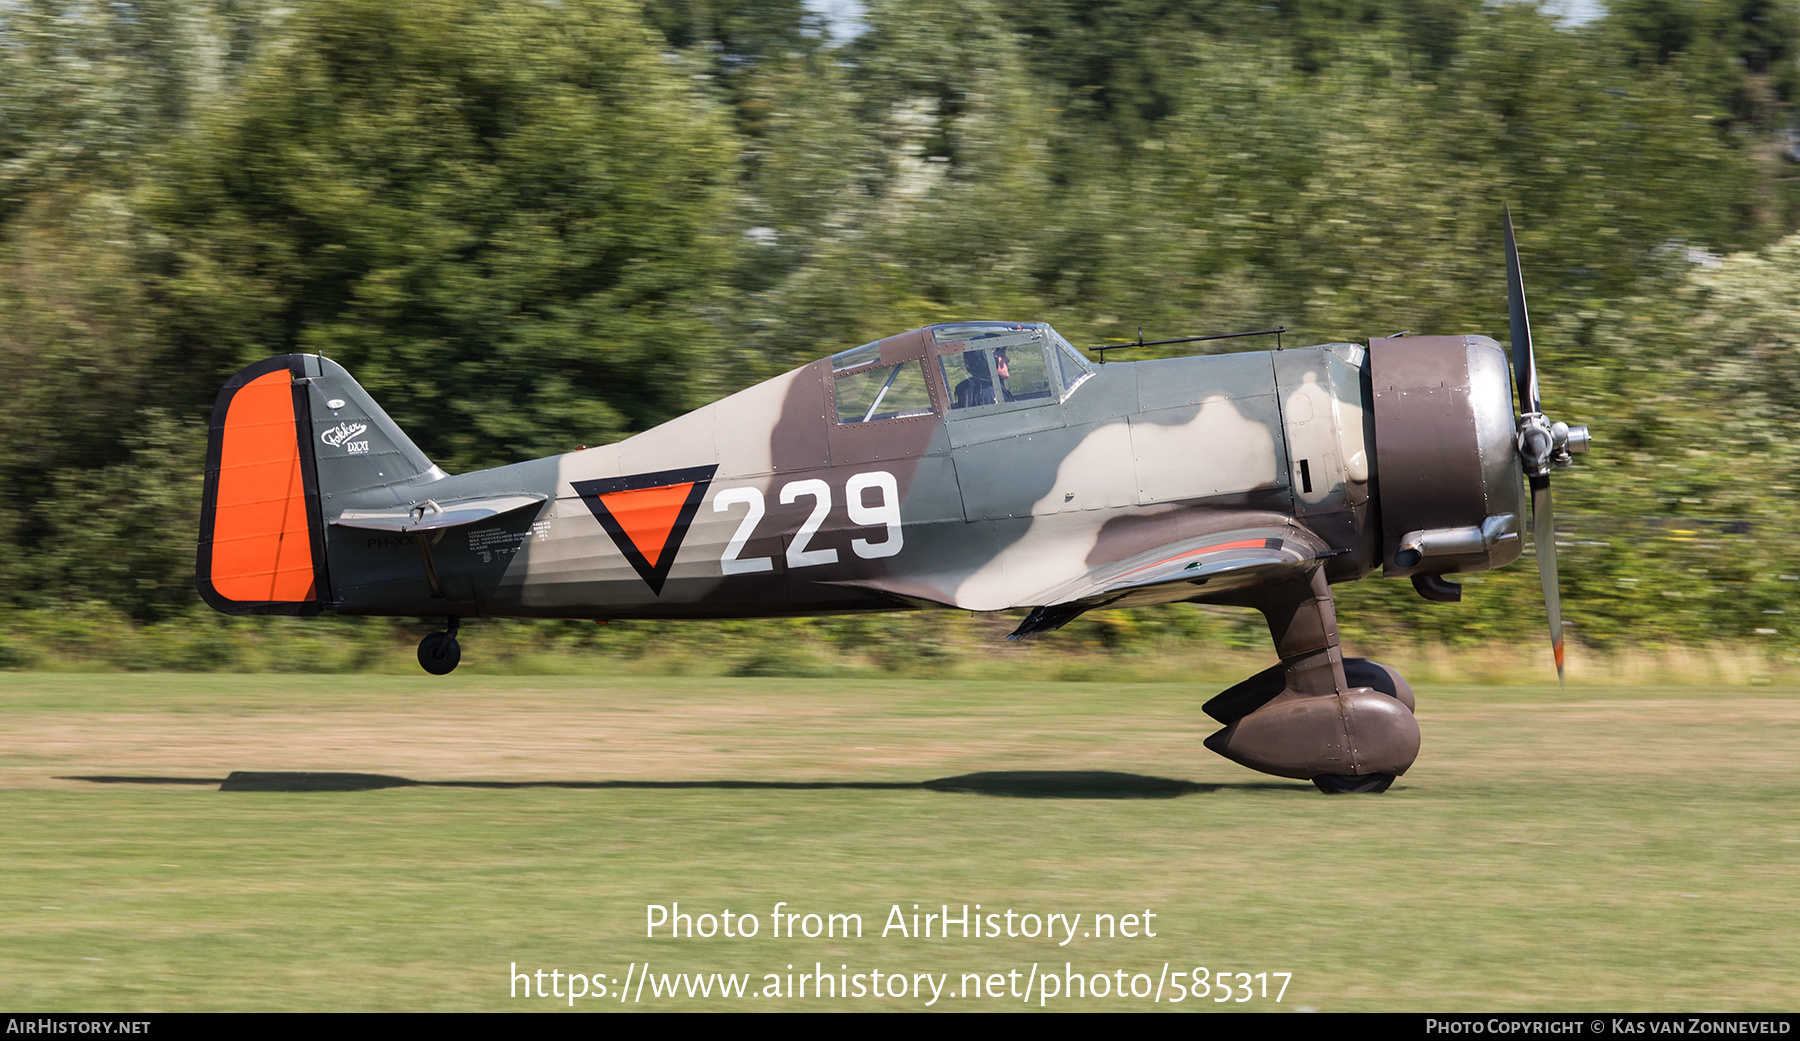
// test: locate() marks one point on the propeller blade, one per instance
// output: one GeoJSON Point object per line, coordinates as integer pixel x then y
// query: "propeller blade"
{"type": "Point", "coordinates": [1543, 537]}
{"type": "Point", "coordinates": [1524, 361]}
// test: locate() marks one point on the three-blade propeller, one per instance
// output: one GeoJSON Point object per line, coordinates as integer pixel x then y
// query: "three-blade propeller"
{"type": "Point", "coordinates": [1543, 445]}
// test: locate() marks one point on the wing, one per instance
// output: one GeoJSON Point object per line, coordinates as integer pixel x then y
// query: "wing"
{"type": "Point", "coordinates": [1191, 568]}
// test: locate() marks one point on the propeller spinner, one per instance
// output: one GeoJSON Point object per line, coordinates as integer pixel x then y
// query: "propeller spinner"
{"type": "Point", "coordinates": [1543, 445]}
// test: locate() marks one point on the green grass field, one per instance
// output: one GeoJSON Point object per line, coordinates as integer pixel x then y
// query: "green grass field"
{"type": "Point", "coordinates": [1603, 848]}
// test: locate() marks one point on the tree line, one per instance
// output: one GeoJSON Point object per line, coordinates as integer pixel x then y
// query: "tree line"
{"type": "Point", "coordinates": [526, 226]}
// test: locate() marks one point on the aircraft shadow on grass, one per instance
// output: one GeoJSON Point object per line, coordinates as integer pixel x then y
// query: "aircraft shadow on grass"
{"type": "Point", "coordinates": [1019, 784]}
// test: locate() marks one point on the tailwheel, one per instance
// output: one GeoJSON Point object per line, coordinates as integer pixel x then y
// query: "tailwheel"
{"type": "Point", "coordinates": [1342, 784]}
{"type": "Point", "coordinates": [439, 653]}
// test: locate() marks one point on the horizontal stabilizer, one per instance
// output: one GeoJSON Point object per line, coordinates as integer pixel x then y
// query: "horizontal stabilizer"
{"type": "Point", "coordinates": [432, 515]}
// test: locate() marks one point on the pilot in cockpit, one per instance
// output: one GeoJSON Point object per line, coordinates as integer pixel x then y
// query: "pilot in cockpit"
{"type": "Point", "coordinates": [980, 388]}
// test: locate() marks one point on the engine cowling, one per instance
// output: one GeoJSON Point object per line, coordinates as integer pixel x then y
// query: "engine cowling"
{"type": "Point", "coordinates": [1448, 481]}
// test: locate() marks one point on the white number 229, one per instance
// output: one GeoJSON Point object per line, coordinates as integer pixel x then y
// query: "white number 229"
{"type": "Point", "coordinates": [884, 513]}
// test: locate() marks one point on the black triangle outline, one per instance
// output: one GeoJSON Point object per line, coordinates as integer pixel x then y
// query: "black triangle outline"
{"type": "Point", "coordinates": [653, 575]}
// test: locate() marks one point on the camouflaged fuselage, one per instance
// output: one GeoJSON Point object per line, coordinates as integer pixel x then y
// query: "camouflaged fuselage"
{"type": "Point", "coordinates": [783, 499]}
{"type": "Point", "coordinates": [996, 510]}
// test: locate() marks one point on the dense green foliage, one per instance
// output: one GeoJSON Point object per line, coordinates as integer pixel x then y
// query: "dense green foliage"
{"type": "Point", "coordinates": [527, 226]}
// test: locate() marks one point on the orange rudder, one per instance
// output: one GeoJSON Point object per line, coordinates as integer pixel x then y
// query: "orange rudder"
{"type": "Point", "coordinates": [261, 548]}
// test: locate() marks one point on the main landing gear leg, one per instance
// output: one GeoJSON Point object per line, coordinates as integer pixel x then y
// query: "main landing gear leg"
{"type": "Point", "coordinates": [439, 652]}
{"type": "Point", "coordinates": [1303, 718]}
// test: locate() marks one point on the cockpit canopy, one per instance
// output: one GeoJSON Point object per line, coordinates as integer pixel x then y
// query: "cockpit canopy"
{"type": "Point", "coordinates": [986, 367]}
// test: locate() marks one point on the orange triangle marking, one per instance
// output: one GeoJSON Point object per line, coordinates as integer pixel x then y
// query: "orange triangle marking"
{"type": "Point", "coordinates": [648, 516]}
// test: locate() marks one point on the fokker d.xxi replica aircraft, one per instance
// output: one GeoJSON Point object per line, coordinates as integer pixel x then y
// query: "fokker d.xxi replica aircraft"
{"type": "Point", "coordinates": [984, 466]}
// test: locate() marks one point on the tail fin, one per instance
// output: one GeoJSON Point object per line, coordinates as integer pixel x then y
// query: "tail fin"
{"type": "Point", "coordinates": [285, 432]}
